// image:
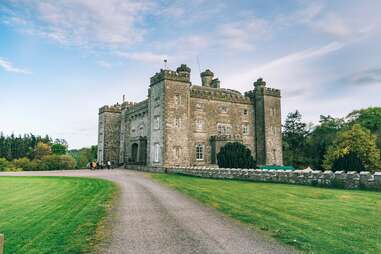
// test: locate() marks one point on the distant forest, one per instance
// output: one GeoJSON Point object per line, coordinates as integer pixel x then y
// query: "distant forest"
{"type": "Point", "coordinates": [33, 152]}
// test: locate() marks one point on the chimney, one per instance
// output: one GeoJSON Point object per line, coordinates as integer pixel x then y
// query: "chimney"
{"type": "Point", "coordinates": [206, 78]}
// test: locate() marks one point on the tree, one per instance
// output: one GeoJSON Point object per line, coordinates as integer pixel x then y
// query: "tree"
{"type": "Point", "coordinates": [369, 118]}
{"type": "Point", "coordinates": [41, 150]}
{"type": "Point", "coordinates": [321, 137]}
{"type": "Point", "coordinates": [295, 134]}
{"type": "Point", "coordinates": [356, 144]}
{"type": "Point", "coordinates": [235, 155]}
{"type": "Point", "coordinates": [59, 149]}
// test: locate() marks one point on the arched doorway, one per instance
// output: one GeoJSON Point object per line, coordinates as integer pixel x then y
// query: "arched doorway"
{"type": "Point", "coordinates": [134, 152]}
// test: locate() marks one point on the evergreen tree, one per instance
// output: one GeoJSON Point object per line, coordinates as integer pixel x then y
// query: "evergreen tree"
{"type": "Point", "coordinates": [235, 155]}
{"type": "Point", "coordinates": [295, 134]}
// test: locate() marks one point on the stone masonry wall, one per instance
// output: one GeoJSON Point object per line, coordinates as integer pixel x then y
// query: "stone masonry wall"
{"type": "Point", "coordinates": [338, 179]}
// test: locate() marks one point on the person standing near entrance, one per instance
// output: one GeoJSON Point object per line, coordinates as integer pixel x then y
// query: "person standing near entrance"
{"type": "Point", "coordinates": [108, 164]}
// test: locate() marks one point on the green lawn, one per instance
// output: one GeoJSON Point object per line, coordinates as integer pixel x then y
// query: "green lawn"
{"type": "Point", "coordinates": [52, 214]}
{"type": "Point", "coordinates": [313, 219]}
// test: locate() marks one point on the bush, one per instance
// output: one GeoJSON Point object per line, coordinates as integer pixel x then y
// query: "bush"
{"type": "Point", "coordinates": [23, 163]}
{"type": "Point", "coordinates": [57, 162]}
{"type": "Point", "coordinates": [6, 165]}
{"type": "Point", "coordinates": [235, 155]}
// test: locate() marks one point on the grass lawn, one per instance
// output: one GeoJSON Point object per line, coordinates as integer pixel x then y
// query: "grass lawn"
{"type": "Point", "coordinates": [313, 219]}
{"type": "Point", "coordinates": [52, 214]}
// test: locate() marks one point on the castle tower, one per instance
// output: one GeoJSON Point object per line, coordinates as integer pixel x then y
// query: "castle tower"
{"type": "Point", "coordinates": [109, 134]}
{"type": "Point", "coordinates": [268, 134]}
{"type": "Point", "coordinates": [169, 99]}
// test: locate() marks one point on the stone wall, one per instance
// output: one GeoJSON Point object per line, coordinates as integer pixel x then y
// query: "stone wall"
{"type": "Point", "coordinates": [338, 179]}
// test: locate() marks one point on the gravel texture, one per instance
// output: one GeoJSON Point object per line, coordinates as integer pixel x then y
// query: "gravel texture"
{"type": "Point", "coordinates": [151, 218]}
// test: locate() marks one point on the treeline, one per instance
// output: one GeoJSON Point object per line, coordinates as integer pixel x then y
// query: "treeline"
{"type": "Point", "coordinates": [350, 143]}
{"type": "Point", "coordinates": [30, 152]}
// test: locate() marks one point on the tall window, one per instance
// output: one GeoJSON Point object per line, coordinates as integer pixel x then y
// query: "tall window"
{"type": "Point", "coordinates": [245, 129]}
{"type": "Point", "coordinates": [157, 122]}
{"type": "Point", "coordinates": [199, 152]}
{"type": "Point", "coordinates": [157, 152]}
{"type": "Point", "coordinates": [177, 99]}
{"type": "Point", "coordinates": [177, 153]}
{"type": "Point", "coordinates": [245, 112]}
{"type": "Point", "coordinates": [178, 122]}
{"type": "Point", "coordinates": [199, 124]}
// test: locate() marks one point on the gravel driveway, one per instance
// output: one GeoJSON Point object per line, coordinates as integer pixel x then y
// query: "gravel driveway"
{"type": "Point", "coordinates": [151, 218]}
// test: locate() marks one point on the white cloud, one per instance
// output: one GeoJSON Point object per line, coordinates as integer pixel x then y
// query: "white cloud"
{"type": "Point", "coordinates": [104, 64]}
{"type": "Point", "coordinates": [242, 35]}
{"type": "Point", "coordinates": [285, 66]}
{"type": "Point", "coordinates": [8, 66]}
{"type": "Point", "coordinates": [147, 57]}
{"type": "Point", "coordinates": [82, 22]}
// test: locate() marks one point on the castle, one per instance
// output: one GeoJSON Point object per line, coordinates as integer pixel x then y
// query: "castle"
{"type": "Point", "coordinates": [181, 124]}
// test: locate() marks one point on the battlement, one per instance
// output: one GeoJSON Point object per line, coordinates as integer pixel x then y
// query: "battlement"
{"type": "Point", "coordinates": [268, 91]}
{"type": "Point", "coordinates": [182, 74]}
{"type": "Point", "coordinates": [111, 109]}
{"type": "Point", "coordinates": [138, 106]}
{"type": "Point", "coordinates": [127, 104]}
{"type": "Point", "coordinates": [218, 94]}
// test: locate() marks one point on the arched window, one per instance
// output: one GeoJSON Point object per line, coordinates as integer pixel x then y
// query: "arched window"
{"type": "Point", "coordinates": [200, 152]}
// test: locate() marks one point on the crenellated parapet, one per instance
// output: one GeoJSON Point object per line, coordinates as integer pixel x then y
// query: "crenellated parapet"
{"type": "Point", "coordinates": [180, 75]}
{"type": "Point", "coordinates": [218, 94]}
{"type": "Point", "coordinates": [111, 109]}
{"type": "Point", "coordinates": [143, 105]}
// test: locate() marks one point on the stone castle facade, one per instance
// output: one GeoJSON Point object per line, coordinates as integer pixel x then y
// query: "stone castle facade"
{"type": "Point", "coordinates": [181, 124]}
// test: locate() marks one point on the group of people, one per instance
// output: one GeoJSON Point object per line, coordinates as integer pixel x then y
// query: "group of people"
{"type": "Point", "coordinates": [96, 165]}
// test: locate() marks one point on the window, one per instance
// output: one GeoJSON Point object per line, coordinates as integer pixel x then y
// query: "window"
{"type": "Point", "coordinates": [245, 129]}
{"type": "Point", "coordinates": [199, 106]}
{"type": "Point", "coordinates": [141, 131]}
{"type": "Point", "coordinates": [224, 129]}
{"type": "Point", "coordinates": [200, 152]}
{"type": "Point", "coordinates": [199, 124]}
{"type": "Point", "coordinates": [177, 99]}
{"type": "Point", "coordinates": [157, 122]}
{"type": "Point", "coordinates": [245, 112]}
{"type": "Point", "coordinates": [133, 132]}
{"type": "Point", "coordinates": [223, 109]}
{"type": "Point", "coordinates": [178, 122]}
{"type": "Point", "coordinates": [177, 153]}
{"type": "Point", "coordinates": [157, 152]}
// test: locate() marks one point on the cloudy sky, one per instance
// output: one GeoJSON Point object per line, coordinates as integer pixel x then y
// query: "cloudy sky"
{"type": "Point", "coordinates": [60, 60]}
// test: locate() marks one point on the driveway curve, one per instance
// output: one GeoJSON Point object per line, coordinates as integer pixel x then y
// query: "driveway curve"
{"type": "Point", "coordinates": [152, 218]}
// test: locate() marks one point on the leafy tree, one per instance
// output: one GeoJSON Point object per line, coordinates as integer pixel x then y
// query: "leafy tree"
{"type": "Point", "coordinates": [41, 150]}
{"type": "Point", "coordinates": [57, 162]}
{"type": "Point", "coordinates": [59, 149]}
{"type": "Point", "coordinates": [369, 118]}
{"type": "Point", "coordinates": [295, 134]}
{"type": "Point", "coordinates": [321, 137]}
{"type": "Point", "coordinates": [84, 155]}
{"type": "Point", "coordinates": [355, 144]}
{"type": "Point", "coordinates": [235, 155]}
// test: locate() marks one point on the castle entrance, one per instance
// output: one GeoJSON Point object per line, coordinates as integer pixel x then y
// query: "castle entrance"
{"type": "Point", "coordinates": [134, 152]}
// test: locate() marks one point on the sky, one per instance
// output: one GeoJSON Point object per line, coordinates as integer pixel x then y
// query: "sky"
{"type": "Point", "coordinates": [60, 60]}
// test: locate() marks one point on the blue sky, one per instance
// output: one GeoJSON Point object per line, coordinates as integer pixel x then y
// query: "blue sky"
{"type": "Point", "coordinates": [60, 60]}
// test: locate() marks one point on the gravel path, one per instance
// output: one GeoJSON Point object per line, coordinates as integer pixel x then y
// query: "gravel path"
{"type": "Point", "coordinates": [151, 218]}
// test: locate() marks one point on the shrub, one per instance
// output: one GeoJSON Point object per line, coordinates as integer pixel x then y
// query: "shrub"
{"type": "Point", "coordinates": [57, 162]}
{"type": "Point", "coordinates": [6, 165]}
{"type": "Point", "coordinates": [235, 155]}
{"type": "Point", "coordinates": [23, 163]}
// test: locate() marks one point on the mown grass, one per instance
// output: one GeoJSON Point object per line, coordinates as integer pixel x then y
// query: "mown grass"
{"type": "Point", "coordinates": [52, 214]}
{"type": "Point", "coordinates": [312, 219]}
